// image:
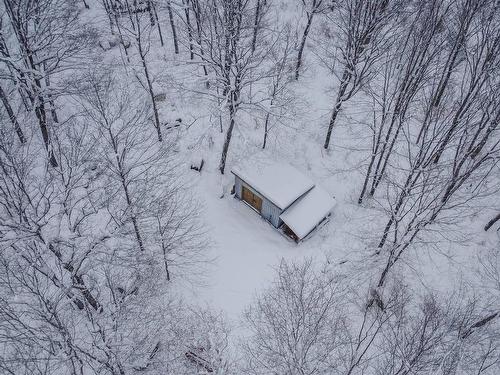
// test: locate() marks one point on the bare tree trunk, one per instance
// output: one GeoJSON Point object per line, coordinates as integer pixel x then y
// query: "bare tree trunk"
{"type": "Point", "coordinates": [124, 183]}
{"type": "Point", "coordinates": [145, 67]}
{"type": "Point", "coordinates": [53, 111]}
{"type": "Point", "coordinates": [302, 44]}
{"type": "Point", "coordinates": [256, 24]}
{"type": "Point", "coordinates": [232, 113]}
{"type": "Point", "coordinates": [111, 15]}
{"type": "Point", "coordinates": [12, 116]}
{"type": "Point", "coordinates": [153, 101]}
{"type": "Point", "coordinates": [36, 96]}
{"type": "Point", "coordinates": [221, 128]}
{"type": "Point", "coordinates": [492, 222]}
{"type": "Point", "coordinates": [165, 259]}
{"type": "Point", "coordinates": [346, 77]}
{"type": "Point", "coordinates": [152, 96]}
{"type": "Point", "coordinates": [279, 81]}
{"type": "Point", "coordinates": [376, 141]}
{"type": "Point", "coordinates": [22, 92]}
{"type": "Point", "coordinates": [160, 34]}
{"type": "Point", "coordinates": [196, 10]}
{"type": "Point", "coordinates": [151, 12]}
{"type": "Point", "coordinates": [122, 40]}
{"type": "Point", "coordinates": [42, 121]}
{"type": "Point", "coordinates": [189, 28]}
{"type": "Point", "coordinates": [385, 156]}
{"type": "Point", "coordinates": [76, 278]}
{"type": "Point", "coordinates": [476, 86]}
{"type": "Point", "coordinates": [172, 25]}
{"type": "Point", "coordinates": [367, 178]}
{"type": "Point", "coordinates": [55, 280]}
{"type": "Point", "coordinates": [266, 130]}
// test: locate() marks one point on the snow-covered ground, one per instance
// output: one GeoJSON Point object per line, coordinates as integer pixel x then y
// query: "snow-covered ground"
{"type": "Point", "coordinates": [245, 248]}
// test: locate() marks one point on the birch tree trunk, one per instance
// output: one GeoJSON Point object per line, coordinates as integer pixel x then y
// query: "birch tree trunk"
{"type": "Point", "coordinates": [172, 26]}
{"type": "Point", "coordinates": [492, 222]}
{"type": "Point", "coordinates": [233, 106]}
{"type": "Point", "coordinates": [142, 53]}
{"type": "Point", "coordinates": [346, 77]}
{"type": "Point", "coordinates": [187, 7]}
{"type": "Point", "coordinates": [12, 116]}
{"type": "Point", "coordinates": [302, 44]}
{"type": "Point", "coordinates": [256, 24]}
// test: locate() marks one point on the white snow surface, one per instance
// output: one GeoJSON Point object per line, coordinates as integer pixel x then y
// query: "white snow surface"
{"type": "Point", "coordinates": [246, 249]}
{"type": "Point", "coordinates": [303, 215]}
{"type": "Point", "coordinates": [279, 182]}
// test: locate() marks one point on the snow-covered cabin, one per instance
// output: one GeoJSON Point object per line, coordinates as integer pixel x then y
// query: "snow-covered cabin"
{"type": "Point", "coordinates": [282, 195]}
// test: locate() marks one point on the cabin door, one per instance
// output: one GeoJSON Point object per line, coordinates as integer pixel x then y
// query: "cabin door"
{"type": "Point", "coordinates": [252, 199]}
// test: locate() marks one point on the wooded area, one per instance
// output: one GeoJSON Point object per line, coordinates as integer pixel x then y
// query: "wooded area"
{"type": "Point", "coordinates": [105, 105]}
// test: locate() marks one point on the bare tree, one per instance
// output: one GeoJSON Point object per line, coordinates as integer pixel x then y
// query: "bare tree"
{"type": "Point", "coordinates": [49, 268]}
{"type": "Point", "coordinates": [83, 282]}
{"type": "Point", "coordinates": [118, 9]}
{"type": "Point", "coordinates": [46, 35]}
{"type": "Point", "coordinates": [311, 323]}
{"type": "Point", "coordinates": [227, 50]}
{"type": "Point", "coordinates": [446, 54]}
{"type": "Point", "coordinates": [197, 11]}
{"type": "Point", "coordinates": [12, 116]}
{"type": "Point", "coordinates": [141, 33]}
{"type": "Point", "coordinates": [406, 70]}
{"type": "Point", "coordinates": [441, 180]}
{"type": "Point", "coordinates": [281, 102]}
{"type": "Point", "coordinates": [187, 12]}
{"type": "Point", "coordinates": [148, 196]}
{"type": "Point", "coordinates": [431, 335]}
{"type": "Point", "coordinates": [311, 8]}
{"type": "Point", "coordinates": [296, 325]}
{"type": "Point", "coordinates": [363, 27]}
{"type": "Point", "coordinates": [172, 26]}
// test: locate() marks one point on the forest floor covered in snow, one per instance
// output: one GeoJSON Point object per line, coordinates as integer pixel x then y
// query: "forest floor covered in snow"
{"type": "Point", "coordinates": [245, 250]}
{"type": "Point", "coordinates": [137, 207]}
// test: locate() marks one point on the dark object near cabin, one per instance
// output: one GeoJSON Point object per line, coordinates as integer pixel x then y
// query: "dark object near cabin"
{"type": "Point", "coordinates": [161, 97]}
{"type": "Point", "coordinates": [175, 124]}
{"type": "Point", "coordinates": [198, 167]}
{"type": "Point", "coordinates": [123, 7]}
{"type": "Point", "coordinates": [195, 356]}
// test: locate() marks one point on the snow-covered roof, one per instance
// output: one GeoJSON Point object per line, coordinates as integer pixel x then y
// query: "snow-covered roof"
{"type": "Point", "coordinates": [278, 182]}
{"type": "Point", "coordinates": [302, 216]}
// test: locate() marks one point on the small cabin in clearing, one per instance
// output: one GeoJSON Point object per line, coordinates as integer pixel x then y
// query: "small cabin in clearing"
{"type": "Point", "coordinates": [282, 195]}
